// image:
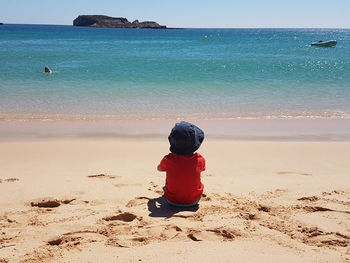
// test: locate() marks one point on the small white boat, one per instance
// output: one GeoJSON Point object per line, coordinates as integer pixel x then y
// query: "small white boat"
{"type": "Point", "coordinates": [330, 43]}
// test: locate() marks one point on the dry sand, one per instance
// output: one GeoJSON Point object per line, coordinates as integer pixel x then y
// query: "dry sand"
{"type": "Point", "coordinates": [100, 201]}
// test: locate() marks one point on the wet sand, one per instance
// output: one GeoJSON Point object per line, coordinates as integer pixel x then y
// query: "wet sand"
{"type": "Point", "coordinates": [336, 129]}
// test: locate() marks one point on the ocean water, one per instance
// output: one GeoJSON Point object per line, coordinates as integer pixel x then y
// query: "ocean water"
{"type": "Point", "coordinates": [107, 73]}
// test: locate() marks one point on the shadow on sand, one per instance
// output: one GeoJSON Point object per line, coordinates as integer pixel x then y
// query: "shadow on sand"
{"type": "Point", "coordinates": [159, 207]}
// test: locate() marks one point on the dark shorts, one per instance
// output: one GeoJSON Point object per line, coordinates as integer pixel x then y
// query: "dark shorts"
{"type": "Point", "coordinates": [181, 205]}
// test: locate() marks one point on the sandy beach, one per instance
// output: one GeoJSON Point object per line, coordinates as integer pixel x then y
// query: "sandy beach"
{"type": "Point", "coordinates": [99, 200]}
{"type": "Point", "coordinates": [86, 109]}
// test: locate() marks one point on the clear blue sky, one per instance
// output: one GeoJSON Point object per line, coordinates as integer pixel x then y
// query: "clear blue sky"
{"type": "Point", "coordinates": [185, 13]}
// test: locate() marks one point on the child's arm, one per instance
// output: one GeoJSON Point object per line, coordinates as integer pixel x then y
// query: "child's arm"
{"type": "Point", "coordinates": [159, 168]}
{"type": "Point", "coordinates": [162, 166]}
{"type": "Point", "coordinates": [202, 164]}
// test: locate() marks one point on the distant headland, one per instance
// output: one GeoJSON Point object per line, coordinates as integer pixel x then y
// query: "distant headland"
{"type": "Point", "coordinates": [116, 22]}
{"type": "Point", "coordinates": [1, 24]}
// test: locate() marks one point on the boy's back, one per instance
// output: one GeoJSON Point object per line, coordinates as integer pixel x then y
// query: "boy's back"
{"type": "Point", "coordinates": [183, 183]}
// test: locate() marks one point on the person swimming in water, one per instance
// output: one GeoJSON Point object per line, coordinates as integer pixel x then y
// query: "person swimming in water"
{"type": "Point", "coordinates": [47, 70]}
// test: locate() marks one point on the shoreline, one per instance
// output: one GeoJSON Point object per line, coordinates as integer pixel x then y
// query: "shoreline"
{"type": "Point", "coordinates": [228, 129]}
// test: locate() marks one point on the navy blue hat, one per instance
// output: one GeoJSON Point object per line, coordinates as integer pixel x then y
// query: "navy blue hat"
{"type": "Point", "coordinates": [185, 138]}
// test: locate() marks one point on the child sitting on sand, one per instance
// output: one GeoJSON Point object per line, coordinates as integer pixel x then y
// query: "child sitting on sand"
{"type": "Point", "coordinates": [183, 167]}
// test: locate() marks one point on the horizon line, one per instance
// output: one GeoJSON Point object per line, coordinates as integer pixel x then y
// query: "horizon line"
{"type": "Point", "coordinates": [186, 27]}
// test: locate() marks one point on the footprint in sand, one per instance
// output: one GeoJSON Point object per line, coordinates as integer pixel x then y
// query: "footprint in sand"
{"type": "Point", "coordinates": [291, 173]}
{"type": "Point", "coordinates": [144, 235]}
{"type": "Point", "coordinates": [102, 176]}
{"type": "Point", "coordinates": [148, 233]}
{"type": "Point", "coordinates": [141, 200]}
{"type": "Point", "coordinates": [248, 216]}
{"type": "Point", "coordinates": [309, 198]}
{"type": "Point", "coordinates": [50, 202]}
{"type": "Point", "coordinates": [322, 209]}
{"type": "Point", "coordinates": [320, 238]}
{"type": "Point", "coordinates": [52, 249]}
{"type": "Point", "coordinates": [7, 239]}
{"type": "Point", "coordinates": [64, 240]}
{"type": "Point", "coordinates": [73, 239]}
{"type": "Point", "coordinates": [9, 180]}
{"type": "Point", "coordinates": [282, 222]}
{"type": "Point", "coordinates": [336, 192]}
{"type": "Point", "coordinates": [125, 217]}
{"type": "Point", "coordinates": [323, 199]}
{"type": "Point", "coordinates": [215, 234]}
{"type": "Point", "coordinates": [336, 196]}
{"type": "Point", "coordinates": [264, 208]}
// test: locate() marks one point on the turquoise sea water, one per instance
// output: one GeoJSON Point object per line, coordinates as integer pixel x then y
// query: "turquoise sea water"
{"type": "Point", "coordinates": [202, 73]}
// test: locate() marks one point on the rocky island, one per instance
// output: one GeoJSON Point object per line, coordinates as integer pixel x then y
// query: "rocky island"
{"type": "Point", "coordinates": [116, 22]}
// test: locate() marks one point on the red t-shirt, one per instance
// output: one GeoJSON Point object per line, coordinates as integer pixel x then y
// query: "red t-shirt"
{"type": "Point", "coordinates": [183, 177]}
